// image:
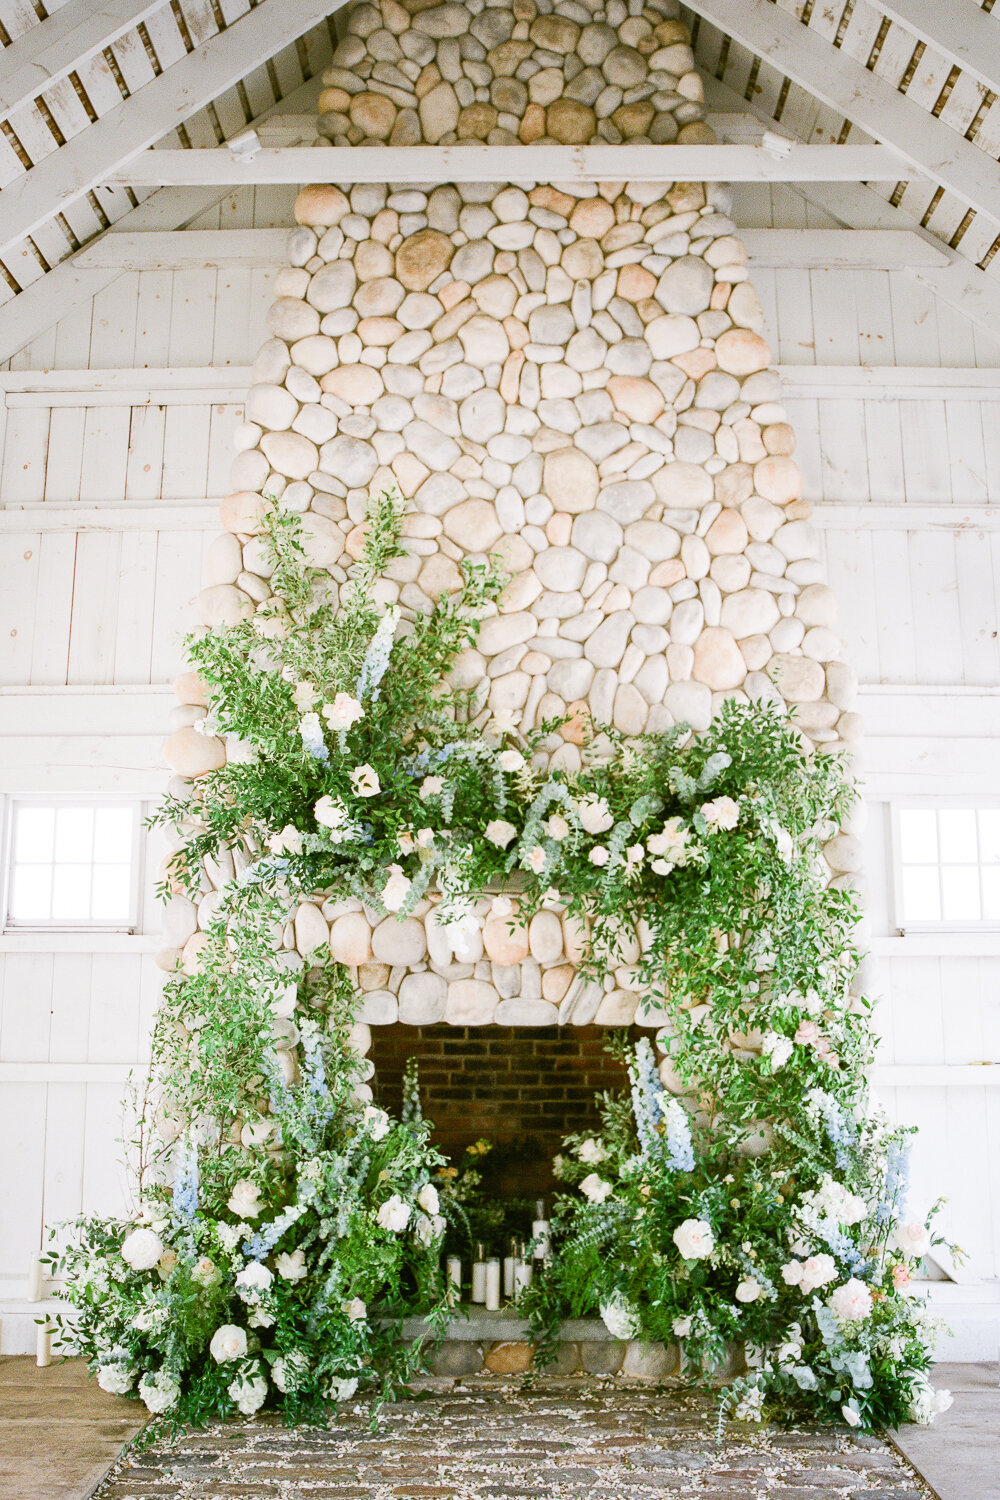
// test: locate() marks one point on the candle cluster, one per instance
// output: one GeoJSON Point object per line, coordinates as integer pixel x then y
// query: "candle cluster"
{"type": "Point", "coordinates": [491, 1278]}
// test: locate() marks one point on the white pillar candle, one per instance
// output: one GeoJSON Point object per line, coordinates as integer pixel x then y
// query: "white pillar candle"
{"type": "Point", "coordinates": [492, 1286]}
{"type": "Point", "coordinates": [35, 1273]}
{"type": "Point", "coordinates": [43, 1346]}
{"type": "Point", "coordinates": [508, 1275]}
{"type": "Point", "coordinates": [479, 1281]}
{"type": "Point", "coordinates": [453, 1273]}
{"type": "Point", "coordinates": [522, 1276]}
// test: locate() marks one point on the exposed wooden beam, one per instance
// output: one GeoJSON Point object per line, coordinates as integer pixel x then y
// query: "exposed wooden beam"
{"type": "Point", "coordinates": [809, 60]}
{"type": "Point", "coordinates": [884, 249]}
{"type": "Point", "coordinates": [64, 41]}
{"type": "Point", "coordinates": [191, 83]}
{"type": "Point", "coordinates": [68, 284]}
{"type": "Point", "coordinates": [960, 284]}
{"type": "Point", "coordinates": [961, 31]}
{"type": "Point", "coordinates": [539, 163]}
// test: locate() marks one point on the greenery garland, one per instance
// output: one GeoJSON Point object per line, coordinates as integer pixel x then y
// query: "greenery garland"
{"type": "Point", "coordinates": [286, 1224]}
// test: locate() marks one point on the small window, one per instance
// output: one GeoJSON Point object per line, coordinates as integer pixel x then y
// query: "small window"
{"type": "Point", "coordinates": [72, 864]}
{"type": "Point", "coordinates": [947, 866]}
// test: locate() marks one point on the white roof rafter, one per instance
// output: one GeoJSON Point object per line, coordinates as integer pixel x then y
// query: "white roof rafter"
{"type": "Point", "coordinates": [966, 35]}
{"type": "Point", "coordinates": [836, 79]}
{"type": "Point", "coordinates": [63, 42]}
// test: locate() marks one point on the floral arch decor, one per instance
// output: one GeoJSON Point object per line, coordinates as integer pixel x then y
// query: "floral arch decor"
{"type": "Point", "coordinates": [287, 1224]}
{"type": "Point", "coordinates": [567, 381]}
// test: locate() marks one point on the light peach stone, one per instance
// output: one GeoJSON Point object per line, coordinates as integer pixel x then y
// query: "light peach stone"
{"type": "Point", "coordinates": [321, 203]}
{"type": "Point", "coordinates": [727, 534]}
{"type": "Point", "coordinates": [359, 385]}
{"type": "Point", "coordinates": [797, 678]}
{"type": "Point", "coordinates": [504, 944]}
{"type": "Point", "coordinates": [696, 363]}
{"type": "Point", "coordinates": [740, 351]}
{"type": "Point", "coordinates": [570, 480]}
{"type": "Point", "coordinates": [351, 939]}
{"type": "Point", "coordinates": [556, 981]}
{"type": "Point", "coordinates": [190, 754]}
{"type": "Point", "coordinates": [637, 398]}
{"type": "Point", "coordinates": [421, 258]}
{"type": "Point", "coordinates": [718, 661]}
{"type": "Point", "coordinates": [778, 479]}
{"type": "Point", "coordinates": [666, 574]}
{"type": "Point", "coordinates": [373, 114]}
{"type": "Point", "coordinates": [473, 525]}
{"type": "Point", "coordinates": [189, 688]}
{"type": "Point", "coordinates": [243, 512]}
{"type": "Point", "coordinates": [635, 283]}
{"type": "Point", "coordinates": [592, 218]}
{"type": "Point", "coordinates": [779, 437]}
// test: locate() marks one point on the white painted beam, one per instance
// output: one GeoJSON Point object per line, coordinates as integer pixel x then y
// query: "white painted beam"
{"type": "Point", "coordinates": [961, 285]}
{"type": "Point", "coordinates": [93, 156]}
{"type": "Point", "coordinates": [878, 249]}
{"type": "Point", "coordinates": [64, 41]}
{"type": "Point", "coordinates": [960, 30]}
{"type": "Point", "coordinates": [809, 60]}
{"type": "Point", "coordinates": [461, 163]}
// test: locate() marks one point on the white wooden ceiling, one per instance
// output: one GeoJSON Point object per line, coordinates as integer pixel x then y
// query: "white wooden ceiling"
{"type": "Point", "coordinates": [87, 85]}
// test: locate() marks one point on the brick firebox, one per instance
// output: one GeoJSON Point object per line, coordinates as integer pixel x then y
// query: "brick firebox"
{"type": "Point", "coordinates": [523, 1089]}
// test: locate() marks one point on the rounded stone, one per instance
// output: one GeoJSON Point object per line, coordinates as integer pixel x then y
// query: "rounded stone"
{"type": "Point", "coordinates": [221, 604]}
{"type": "Point", "coordinates": [422, 999]}
{"type": "Point", "coordinates": [379, 297]}
{"type": "Point", "coordinates": [483, 341]}
{"type": "Point", "coordinates": [727, 534]}
{"type": "Point", "coordinates": [439, 110]}
{"type": "Point", "coordinates": [845, 854]}
{"type": "Point", "coordinates": [778, 479]}
{"type": "Point", "coordinates": [569, 122]}
{"type": "Point", "coordinates": [473, 525]}
{"type": "Point", "coordinates": [625, 67]}
{"type": "Point", "coordinates": [638, 399]}
{"type": "Point", "coordinates": [190, 754]}
{"type": "Point", "coordinates": [597, 535]}
{"type": "Point", "coordinates": [421, 258]}
{"type": "Point", "coordinates": [683, 485]}
{"type": "Point", "coordinates": [349, 459]}
{"type": "Point", "coordinates": [750, 612]}
{"type": "Point", "coordinates": [321, 203]}
{"type": "Point", "coordinates": [570, 480]}
{"type": "Point", "coordinates": [290, 318]}
{"type": "Point", "coordinates": [649, 1361]}
{"type": "Point", "coordinates": [718, 661]}
{"type": "Point", "coordinates": [740, 351]}
{"type": "Point", "coordinates": [243, 512]}
{"type": "Point", "coordinates": [290, 453]}
{"type": "Point", "coordinates": [351, 939]}
{"type": "Point", "coordinates": [373, 114]}
{"type": "Point", "coordinates": [630, 710]}
{"type": "Point", "coordinates": [359, 385]}
{"type": "Point", "coordinates": [522, 1011]}
{"type": "Point", "coordinates": [470, 1002]}
{"type": "Point", "coordinates": [379, 1008]}
{"type": "Point", "coordinates": [545, 937]}
{"type": "Point", "coordinates": [395, 942]}
{"type": "Point", "coordinates": [315, 354]}
{"type": "Point", "coordinates": [272, 406]}
{"type": "Point", "coordinates": [797, 678]}
{"type": "Point", "coordinates": [311, 930]}
{"type": "Point", "coordinates": [686, 287]}
{"type": "Point", "coordinates": [503, 943]}
{"type": "Point", "coordinates": [671, 334]}
{"type": "Point", "coordinates": [690, 703]}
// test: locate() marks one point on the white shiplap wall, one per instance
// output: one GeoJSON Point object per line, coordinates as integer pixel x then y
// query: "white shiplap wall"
{"type": "Point", "coordinates": [92, 617]}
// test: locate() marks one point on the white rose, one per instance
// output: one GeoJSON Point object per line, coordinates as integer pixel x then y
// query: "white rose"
{"type": "Point", "coordinates": [356, 1310]}
{"type": "Point", "coordinates": [428, 1198]}
{"type": "Point", "coordinates": [254, 1279]}
{"type": "Point", "coordinates": [291, 1265]}
{"type": "Point", "coordinates": [343, 712]}
{"type": "Point", "coordinates": [305, 694]}
{"type": "Point", "coordinates": [243, 1200]}
{"type": "Point", "coordinates": [228, 1342]}
{"type": "Point", "coordinates": [394, 1214]}
{"type": "Point", "coordinates": [911, 1239]}
{"type": "Point", "coordinates": [792, 1273]}
{"type": "Point", "coordinates": [748, 1290]}
{"type": "Point", "coordinates": [500, 832]}
{"type": "Point", "coordinates": [852, 1302]}
{"type": "Point", "coordinates": [396, 889]}
{"type": "Point", "coordinates": [681, 1327]}
{"type": "Point", "coordinates": [723, 812]}
{"type": "Point", "coordinates": [260, 1318]}
{"type": "Point", "coordinates": [620, 1318]}
{"type": "Point", "coordinates": [364, 780]}
{"type": "Point", "coordinates": [159, 1390]}
{"type": "Point", "coordinates": [115, 1379]}
{"type": "Point", "coordinates": [329, 813]}
{"type": "Point", "coordinates": [591, 1151]}
{"type": "Point", "coordinates": [694, 1239]}
{"type": "Point", "coordinates": [426, 1228]}
{"type": "Point", "coordinates": [599, 856]}
{"type": "Point", "coordinates": [249, 1395]}
{"type": "Point", "coordinates": [342, 1390]}
{"type": "Point", "coordinates": [288, 841]}
{"type": "Point", "coordinates": [288, 1370]}
{"type": "Point", "coordinates": [537, 859]}
{"type": "Point", "coordinates": [511, 760]}
{"type": "Point", "coordinates": [142, 1250]}
{"type": "Point", "coordinates": [595, 1188]}
{"type": "Point", "coordinates": [431, 786]}
{"type": "Point", "coordinates": [556, 827]}
{"type": "Point", "coordinates": [818, 1270]}
{"type": "Point", "coordinates": [378, 1122]}
{"type": "Point", "coordinates": [594, 814]}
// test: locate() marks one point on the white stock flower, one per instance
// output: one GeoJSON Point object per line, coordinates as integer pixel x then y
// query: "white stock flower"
{"type": "Point", "coordinates": [511, 760]}
{"type": "Point", "coordinates": [331, 814]}
{"type": "Point", "coordinates": [244, 1199]}
{"type": "Point", "coordinates": [431, 786]}
{"type": "Point", "coordinates": [228, 1343]}
{"type": "Point", "coordinates": [595, 1188]}
{"type": "Point", "coordinates": [342, 712]}
{"type": "Point", "coordinates": [356, 1310]}
{"type": "Point", "coordinates": [694, 1239]}
{"type": "Point", "coordinates": [748, 1290]}
{"type": "Point", "coordinates": [681, 1327]}
{"type": "Point", "coordinates": [288, 841]}
{"type": "Point", "coordinates": [288, 1370]}
{"type": "Point", "coordinates": [116, 1379]}
{"type": "Point", "coordinates": [142, 1249]}
{"type": "Point", "coordinates": [159, 1390]}
{"type": "Point", "coordinates": [394, 1214]}
{"type": "Point", "coordinates": [364, 780]}
{"type": "Point", "coordinates": [253, 1279]}
{"type": "Point", "coordinates": [378, 1122]}
{"type": "Point", "coordinates": [592, 1151]}
{"type": "Point", "coordinates": [396, 889]}
{"type": "Point", "coordinates": [291, 1265]}
{"type": "Point", "coordinates": [852, 1302]}
{"type": "Point", "coordinates": [428, 1198]}
{"type": "Point", "coordinates": [249, 1393]}
{"type": "Point", "coordinates": [721, 812]}
{"type": "Point", "coordinates": [342, 1390]}
{"type": "Point", "coordinates": [428, 1228]}
{"type": "Point", "coordinates": [594, 814]}
{"type": "Point", "coordinates": [305, 694]}
{"type": "Point", "coordinates": [260, 1318]}
{"type": "Point", "coordinates": [777, 1049]}
{"type": "Point", "coordinates": [911, 1239]}
{"type": "Point", "coordinates": [926, 1403]}
{"type": "Point", "coordinates": [537, 859]}
{"type": "Point", "coordinates": [500, 832]}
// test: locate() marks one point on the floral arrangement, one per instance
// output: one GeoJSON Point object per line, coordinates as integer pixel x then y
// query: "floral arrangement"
{"type": "Point", "coordinates": [803, 1253]}
{"type": "Point", "coordinates": [293, 1223]}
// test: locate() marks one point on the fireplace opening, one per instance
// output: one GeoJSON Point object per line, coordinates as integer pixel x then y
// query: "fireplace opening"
{"type": "Point", "coordinates": [521, 1089]}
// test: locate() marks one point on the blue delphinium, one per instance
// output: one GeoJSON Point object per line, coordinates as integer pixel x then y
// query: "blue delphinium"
{"type": "Point", "coordinates": [376, 661]}
{"type": "Point", "coordinates": [186, 1179]}
{"type": "Point", "coordinates": [311, 731]}
{"type": "Point", "coordinates": [892, 1200]}
{"type": "Point", "coordinates": [839, 1128]}
{"type": "Point", "coordinates": [680, 1147]}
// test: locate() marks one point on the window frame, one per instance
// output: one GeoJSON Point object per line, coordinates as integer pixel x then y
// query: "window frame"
{"type": "Point", "coordinates": [901, 924]}
{"type": "Point", "coordinates": [130, 924]}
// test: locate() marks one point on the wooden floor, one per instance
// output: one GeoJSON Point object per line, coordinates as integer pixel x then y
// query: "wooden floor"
{"type": "Point", "coordinates": [59, 1433]}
